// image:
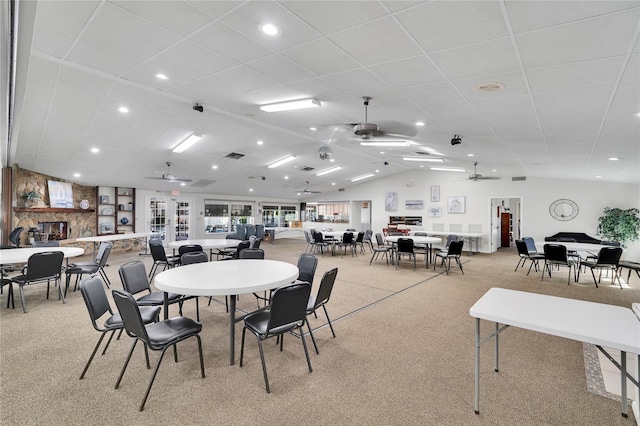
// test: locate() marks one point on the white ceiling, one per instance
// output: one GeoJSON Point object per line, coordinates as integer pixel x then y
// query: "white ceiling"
{"type": "Point", "coordinates": [571, 75]}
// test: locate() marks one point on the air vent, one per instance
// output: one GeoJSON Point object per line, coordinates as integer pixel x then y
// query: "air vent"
{"type": "Point", "coordinates": [340, 189]}
{"type": "Point", "coordinates": [423, 153]}
{"type": "Point", "coordinates": [202, 183]}
{"type": "Point", "coordinates": [307, 168]}
{"type": "Point", "coordinates": [490, 87]}
{"type": "Point", "coordinates": [234, 155]}
{"type": "Point", "coordinates": [515, 178]}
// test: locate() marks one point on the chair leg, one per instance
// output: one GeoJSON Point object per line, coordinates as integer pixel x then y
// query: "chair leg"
{"type": "Point", "coordinates": [328, 320]}
{"type": "Point", "coordinates": [313, 339]}
{"type": "Point", "coordinates": [153, 377]}
{"type": "Point", "coordinates": [24, 304]}
{"type": "Point", "coordinates": [86, 367]}
{"type": "Point", "coordinates": [306, 351]}
{"type": "Point", "coordinates": [594, 278]}
{"type": "Point", "coordinates": [264, 365]}
{"type": "Point", "coordinates": [244, 330]}
{"type": "Point", "coordinates": [126, 363]}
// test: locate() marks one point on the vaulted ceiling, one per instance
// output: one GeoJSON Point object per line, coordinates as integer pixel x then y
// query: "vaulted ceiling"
{"type": "Point", "coordinates": [567, 96]}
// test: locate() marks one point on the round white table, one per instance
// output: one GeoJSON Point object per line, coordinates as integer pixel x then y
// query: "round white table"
{"type": "Point", "coordinates": [226, 278]}
{"type": "Point", "coordinates": [21, 255]}
{"type": "Point", "coordinates": [416, 240]}
{"type": "Point", "coordinates": [208, 243]}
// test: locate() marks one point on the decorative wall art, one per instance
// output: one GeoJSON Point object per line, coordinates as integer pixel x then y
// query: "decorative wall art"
{"type": "Point", "coordinates": [60, 194]}
{"type": "Point", "coordinates": [455, 205]}
{"type": "Point", "coordinates": [391, 201]}
{"type": "Point", "coordinates": [413, 204]}
{"type": "Point", "coordinates": [435, 193]}
{"type": "Point", "coordinates": [104, 199]}
{"type": "Point", "coordinates": [434, 212]}
{"type": "Point", "coordinates": [106, 228]}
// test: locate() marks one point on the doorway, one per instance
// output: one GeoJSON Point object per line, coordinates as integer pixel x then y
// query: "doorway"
{"type": "Point", "coordinates": [169, 217]}
{"type": "Point", "coordinates": [506, 221]}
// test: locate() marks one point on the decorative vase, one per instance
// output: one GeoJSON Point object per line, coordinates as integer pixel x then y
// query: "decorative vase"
{"type": "Point", "coordinates": [124, 221]}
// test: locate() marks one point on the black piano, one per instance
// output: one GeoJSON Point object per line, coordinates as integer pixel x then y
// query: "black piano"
{"type": "Point", "coordinates": [579, 237]}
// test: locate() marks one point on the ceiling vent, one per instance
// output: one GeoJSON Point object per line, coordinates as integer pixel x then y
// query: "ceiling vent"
{"type": "Point", "coordinates": [307, 168]}
{"type": "Point", "coordinates": [202, 183]}
{"type": "Point", "coordinates": [515, 178]}
{"type": "Point", "coordinates": [234, 155]}
{"type": "Point", "coordinates": [340, 189]}
{"type": "Point", "coordinates": [490, 87]}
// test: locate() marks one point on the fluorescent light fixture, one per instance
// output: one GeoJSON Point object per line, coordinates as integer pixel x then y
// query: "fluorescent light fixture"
{"type": "Point", "coordinates": [429, 160]}
{"type": "Point", "coordinates": [368, 175]}
{"type": "Point", "coordinates": [186, 144]}
{"type": "Point", "coordinates": [291, 105]}
{"type": "Point", "coordinates": [386, 143]}
{"type": "Point", "coordinates": [327, 171]}
{"type": "Point", "coordinates": [282, 161]}
{"type": "Point", "coordinates": [446, 169]}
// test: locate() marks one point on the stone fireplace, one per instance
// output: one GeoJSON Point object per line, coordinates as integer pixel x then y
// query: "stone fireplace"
{"type": "Point", "coordinates": [53, 231]}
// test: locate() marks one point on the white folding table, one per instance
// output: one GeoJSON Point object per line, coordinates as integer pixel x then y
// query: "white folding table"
{"type": "Point", "coordinates": [605, 326]}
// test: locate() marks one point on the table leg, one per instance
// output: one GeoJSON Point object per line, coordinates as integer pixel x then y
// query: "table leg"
{"type": "Point", "coordinates": [623, 384]}
{"type": "Point", "coordinates": [476, 408]}
{"type": "Point", "coordinates": [497, 368]}
{"type": "Point", "coordinates": [232, 328]}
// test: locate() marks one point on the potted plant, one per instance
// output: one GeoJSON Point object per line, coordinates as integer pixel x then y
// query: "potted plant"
{"type": "Point", "coordinates": [619, 225]}
{"type": "Point", "coordinates": [31, 198]}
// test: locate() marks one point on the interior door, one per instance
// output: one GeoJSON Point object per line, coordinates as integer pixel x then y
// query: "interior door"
{"type": "Point", "coordinates": [169, 217]}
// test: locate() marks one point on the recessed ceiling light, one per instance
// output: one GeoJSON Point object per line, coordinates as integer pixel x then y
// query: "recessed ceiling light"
{"type": "Point", "coordinates": [378, 171]}
{"type": "Point", "coordinates": [637, 114]}
{"type": "Point", "coordinates": [313, 128]}
{"type": "Point", "coordinates": [270, 29]}
{"type": "Point", "coordinates": [250, 189]}
{"type": "Point", "coordinates": [286, 177]}
{"type": "Point", "coordinates": [183, 184]}
{"type": "Point", "coordinates": [469, 155]}
{"type": "Point", "coordinates": [123, 110]}
{"type": "Point", "coordinates": [95, 150]}
{"type": "Point", "coordinates": [419, 123]}
{"type": "Point", "coordinates": [260, 142]}
{"type": "Point", "coordinates": [598, 177]}
{"type": "Point", "coordinates": [613, 158]}
{"type": "Point", "coordinates": [333, 184]}
{"type": "Point", "coordinates": [215, 167]}
{"type": "Point", "coordinates": [494, 170]}
{"type": "Point", "coordinates": [160, 76]}
{"type": "Point", "coordinates": [76, 175]}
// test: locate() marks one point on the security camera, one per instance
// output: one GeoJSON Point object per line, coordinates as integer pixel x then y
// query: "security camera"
{"type": "Point", "coordinates": [457, 140]}
{"type": "Point", "coordinates": [386, 163]}
{"type": "Point", "coordinates": [263, 178]}
{"type": "Point", "coordinates": [198, 107]}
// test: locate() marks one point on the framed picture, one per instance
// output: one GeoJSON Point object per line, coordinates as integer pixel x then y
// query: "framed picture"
{"type": "Point", "coordinates": [106, 228]}
{"type": "Point", "coordinates": [413, 204]}
{"type": "Point", "coordinates": [455, 205]}
{"type": "Point", "coordinates": [391, 201]}
{"type": "Point", "coordinates": [434, 212]}
{"type": "Point", "coordinates": [435, 193]}
{"type": "Point", "coordinates": [60, 194]}
{"type": "Point", "coordinates": [104, 199]}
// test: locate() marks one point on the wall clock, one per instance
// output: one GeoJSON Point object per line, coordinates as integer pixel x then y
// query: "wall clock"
{"type": "Point", "coordinates": [563, 209]}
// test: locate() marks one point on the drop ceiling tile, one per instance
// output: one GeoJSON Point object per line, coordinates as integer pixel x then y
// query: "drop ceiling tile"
{"type": "Point", "coordinates": [330, 16]}
{"type": "Point", "coordinates": [408, 72]}
{"type": "Point", "coordinates": [377, 42]}
{"type": "Point", "coordinates": [577, 75]}
{"type": "Point", "coordinates": [632, 71]}
{"type": "Point", "coordinates": [51, 42]}
{"type": "Point", "coordinates": [280, 68]}
{"type": "Point", "coordinates": [358, 81]}
{"type": "Point", "coordinates": [40, 89]}
{"type": "Point", "coordinates": [572, 116]}
{"type": "Point", "coordinates": [51, 16]}
{"type": "Point", "coordinates": [426, 94]}
{"type": "Point", "coordinates": [581, 41]}
{"type": "Point", "coordinates": [313, 56]}
{"type": "Point", "coordinates": [492, 104]}
{"type": "Point", "coordinates": [575, 98]}
{"type": "Point", "coordinates": [493, 57]}
{"type": "Point", "coordinates": [628, 94]}
{"type": "Point", "coordinates": [233, 44]}
{"type": "Point", "coordinates": [438, 25]}
{"type": "Point", "coordinates": [82, 80]}
{"type": "Point", "coordinates": [43, 69]}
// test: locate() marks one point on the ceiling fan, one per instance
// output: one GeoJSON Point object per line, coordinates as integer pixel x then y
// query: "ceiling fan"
{"type": "Point", "coordinates": [306, 190]}
{"type": "Point", "coordinates": [167, 176]}
{"type": "Point", "coordinates": [365, 131]}
{"type": "Point", "coordinates": [476, 176]}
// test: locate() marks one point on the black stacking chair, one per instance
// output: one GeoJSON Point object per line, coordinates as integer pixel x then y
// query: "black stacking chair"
{"type": "Point", "coordinates": [193, 257]}
{"type": "Point", "coordinates": [454, 252]}
{"type": "Point", "coordinates": [347, 241]}
{"type": "Point", "coordinates": [158, 336]}
{"type": "Point", "coordinates": [80, 269]}
{"type": "Point", "coordinates": [404, 247]}
{"type": "Point", "coordinates": [41, 267]}
{"type": "Point", "coordinates": [524, 255]}
{"type": "Point", "coordinates": [307, 264]}
{"type": "Point", "coordinates": [321, 299]}
{"type": "Point", "coordinates": [160, 258]}
{"type": "Point", "coordinates": [382, 248]}
{"type": "Point", "coordinates": [608, 258]}
{"type": "Point", "coordinates": [99, 309]}
{"type": "Point", "coordinates": [556, 255]}
{"type": "Point", "coordinates": [134, 281]}
{"type": "Point", "coordinates": [286, 314]}
{"type": "Point", "coordinates": [188, 248]}
{"type": "Point", "coordinates": [319, 243]}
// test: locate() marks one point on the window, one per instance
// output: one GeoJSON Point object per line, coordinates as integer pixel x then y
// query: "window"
{"type": "Point", "coordinates": [330, 212]}
{"type": "Point", "coordinates": [221, 216]}
{"type": "Point", "coordinates": [274, 216]}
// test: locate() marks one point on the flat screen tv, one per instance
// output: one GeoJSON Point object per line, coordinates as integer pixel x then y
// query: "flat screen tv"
{"type": "Point", "coordinates": [60, 194]}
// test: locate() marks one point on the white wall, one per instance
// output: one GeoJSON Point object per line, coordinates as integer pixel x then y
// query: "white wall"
{"type": "Point", "coordinates": [537, 195]}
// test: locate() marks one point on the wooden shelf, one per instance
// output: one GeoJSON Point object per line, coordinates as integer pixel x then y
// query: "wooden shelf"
{"type": "Point", "coordinates": [52, 210]}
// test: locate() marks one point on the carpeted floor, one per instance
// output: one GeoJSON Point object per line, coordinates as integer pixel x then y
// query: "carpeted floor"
{"type": "Point", "coordinates": [403, 355]}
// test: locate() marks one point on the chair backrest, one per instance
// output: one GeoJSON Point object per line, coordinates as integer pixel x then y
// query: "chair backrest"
{"type": "Point", "coordinates": [360, 237]}
{"type": "Point", "coordinates": [188, 248]}
{"type": "Point", "coordinates": [241, 246]}
{"type": "Point", "coordinates": [326, 286]}
{"type": "Point", "coordinates": [317, 237]}
{"type": "Point", "coordinates": [134, 277]}
{"type": "Point", "coordinates": [193, 257]}
{"type": "Point", "coordinates": [555, 253]}
{"type": "Point", "coordinates": [95, 298]}
{"type": "Point", "coordinates": [14, 236]}
{"type": "Point", "coordinates": [455, 248]}
{"type": "Point", "coordinates": [531, 244]}
{"type": "Point", "coordinates": [44, 265]}
{"type": "Point", "coordinates": [609, 256]}
{"type": "Point", "coordinates": [105, 254]}
{"type": "Point", "coordinates": [347, 238]}
{"type": "Point", "coordinates": [307, 237]}
{"type": "Point", "coordinates": [405, 245]}
{"type": "Point", "coordinates": [157, 251]}
{"type": "Point", "coordinates": [252, 241]}
{"type": "Point", "coordinates": [251, 253]}
{"type": "Point", "coordinates": [130, 314]}
{"type": "Point", "coordinates": [379, 239]}
{"type": "Point", "coordinates": [522, 248]}
{"type": "Point", "coordinates": [288, 307]}
{"type": "Point", "coordinates": [367, 235]}
{"type": "Point", "coordinates": [51, 243]}
{"type": "Point", "coordinates": [307, 264]}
